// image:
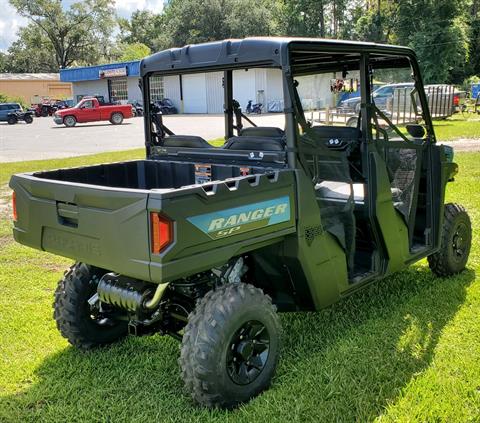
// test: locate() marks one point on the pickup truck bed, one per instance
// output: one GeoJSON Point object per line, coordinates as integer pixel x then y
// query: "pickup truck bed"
{"type": "Point", "coordinates": [101, 214]}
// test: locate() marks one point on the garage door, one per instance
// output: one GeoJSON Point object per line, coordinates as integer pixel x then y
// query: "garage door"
{"type": "Point", "coordinates": [194, 93]}
{"type": "Point", "coordinates": [214, 92]}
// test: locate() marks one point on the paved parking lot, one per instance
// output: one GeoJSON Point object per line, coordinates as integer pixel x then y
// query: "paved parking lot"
{"type": "Point", "coordinates": [43, 139]}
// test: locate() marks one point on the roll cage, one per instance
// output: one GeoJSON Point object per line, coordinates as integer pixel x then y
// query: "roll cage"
{"type": "Point", "coordinates": [295, 57]}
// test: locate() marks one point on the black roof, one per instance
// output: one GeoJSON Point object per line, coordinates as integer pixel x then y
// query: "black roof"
{"type": "Point", "coordinates": [255, 51]}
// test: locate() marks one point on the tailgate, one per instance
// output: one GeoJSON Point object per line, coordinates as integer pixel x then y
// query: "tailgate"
{"type": "Point", "coordinates": [102, 226]}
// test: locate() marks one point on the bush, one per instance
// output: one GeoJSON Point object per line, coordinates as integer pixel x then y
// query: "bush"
{"type": "Point", "coordinates": [9, 99]}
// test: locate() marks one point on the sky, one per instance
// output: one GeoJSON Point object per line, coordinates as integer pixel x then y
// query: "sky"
{"type": "Point", "coordinates": [10, 21]}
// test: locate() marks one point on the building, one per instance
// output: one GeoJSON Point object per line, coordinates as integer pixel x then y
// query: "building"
{"type": "Point", "coordinates": [194, 93]}
{"type": "Point", "coordinates": [115, 82]}
{"type": "Point", "coordinates": [33, 87]}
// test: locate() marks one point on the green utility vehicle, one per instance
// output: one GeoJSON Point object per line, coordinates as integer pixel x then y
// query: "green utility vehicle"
{"type": "Point", "coordinates": [207, 243]}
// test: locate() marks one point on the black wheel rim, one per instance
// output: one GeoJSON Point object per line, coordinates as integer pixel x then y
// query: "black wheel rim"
{"type": "Point", "coordinates": [460, 241]}
{"type": "Point", "coordinates": [248, 352]}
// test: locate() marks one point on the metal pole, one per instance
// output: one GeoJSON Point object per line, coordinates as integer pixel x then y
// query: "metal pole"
{"type": "Point", "coordinates": [228, 103]}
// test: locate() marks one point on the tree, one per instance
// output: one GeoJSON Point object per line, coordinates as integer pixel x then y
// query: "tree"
{"type": "Point", "coordinates": [441, 42]}
{"type": "Point", "coordinates": [193, 21]}
{"type": "Point", "coordinates": [134, 51]}
{"type": "Point", "coordinates": [31, 52]}
{"type": "Point", "coordinates": [143, 27]}
{"type": "Point", "coordinates": [79, 34]}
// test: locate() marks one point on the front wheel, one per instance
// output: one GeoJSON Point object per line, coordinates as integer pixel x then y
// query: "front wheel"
{"type": "Point", "coordinates": [455, 242]}
{"type": "Point", "coordinates": [82, 325]}
{"type": "Point", "coordinates": [28, 119]}
{"type": "Point", "coordinates": [116, 119]}
{"type": "Point", "coordinates": [231, 346]}
{"type": "Point", "coordinates": [12, 120]}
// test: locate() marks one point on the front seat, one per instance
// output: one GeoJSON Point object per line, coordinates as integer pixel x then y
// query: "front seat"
{"type": "Point", "coordinates": [262, 131]}
{"type": "Point", "coordinates": [255, 144]}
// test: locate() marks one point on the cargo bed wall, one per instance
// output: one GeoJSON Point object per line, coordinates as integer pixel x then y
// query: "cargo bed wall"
{"type": "Point", "coordinates": [217, 221]}
{"type": "Point", "coordinates": [144, 174]}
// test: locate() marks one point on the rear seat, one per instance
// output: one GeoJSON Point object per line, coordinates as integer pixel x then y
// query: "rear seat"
{"type": "Point", "coordinates": [189, 141]}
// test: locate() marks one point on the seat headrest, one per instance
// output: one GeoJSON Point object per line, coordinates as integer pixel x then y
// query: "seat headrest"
{"type": "Point", "coordinates": [262, 131]}
{"type": "Point", "coordinates": [189, 141]}
{"type": "Point", "coordinates": [255, 144]}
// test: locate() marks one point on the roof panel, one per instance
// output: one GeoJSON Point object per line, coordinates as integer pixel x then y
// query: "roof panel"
{"type": "Point", "coordinates": [263, 51]}
{"type": "Point", "coordinates": [91, 73]}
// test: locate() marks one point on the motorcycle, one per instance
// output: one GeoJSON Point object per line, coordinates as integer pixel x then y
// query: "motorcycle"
{"type": "Point", "coordinates": [254, 108]}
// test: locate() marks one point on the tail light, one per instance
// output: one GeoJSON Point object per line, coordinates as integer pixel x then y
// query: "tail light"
{"type": "Point", "coordinates": [162, 232]}
{"type": "Point", "coordinates": [14, 206]}
{"type": "Point", "coordinates": [456, 100]}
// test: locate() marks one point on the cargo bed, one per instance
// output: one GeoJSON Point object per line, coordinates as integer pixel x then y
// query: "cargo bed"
{"type": "Point", "coordinates": [101, 214]}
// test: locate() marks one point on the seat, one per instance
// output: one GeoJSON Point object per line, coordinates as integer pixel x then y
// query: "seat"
{"type": "Point", "coordinates": [189, 141]}
{"type": "Point", "coordinates": [345, 133]}
{"type": "Point", "coordinates": [255, 143]}
{"type": "Point", "coordinates": [262, 131]}
{"type": "Point", "coordinates": [340, 191]}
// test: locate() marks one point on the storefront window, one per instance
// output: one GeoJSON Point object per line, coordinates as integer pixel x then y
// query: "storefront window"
{"type": "Point", "coordinates": [118, 89]}
{"type": "Point", "coordinates": [156, 88]}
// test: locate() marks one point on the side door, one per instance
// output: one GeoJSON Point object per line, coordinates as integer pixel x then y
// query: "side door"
{"type": "Point", "coordinates": [397, 152]}
{"type": "Point", "coordinates": [87, 112]}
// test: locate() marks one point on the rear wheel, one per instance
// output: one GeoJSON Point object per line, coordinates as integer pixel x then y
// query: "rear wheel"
{"type": "Point", "coordinates": [116, 118]}
{"type": "Point", "coordinates": [455, 244]}
{"type": "Point", "coordinates": [69, 121]}
{"type": "Point", "coordinates": [231, 346]}
{"type": "Point", "coordinates": [12, 120]}
{"type": "Point", "coordinates": [28, 119]}
{"type": "Point", "coordinates": [82, 325]}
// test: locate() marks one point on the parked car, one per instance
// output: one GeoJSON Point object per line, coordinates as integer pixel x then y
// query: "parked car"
{"type": "Point", "coordinates": [381, 96]}
{"type": "Point", "coordinates": [13, 113]}
{"type": "Point", "coordinates": [89, 109]}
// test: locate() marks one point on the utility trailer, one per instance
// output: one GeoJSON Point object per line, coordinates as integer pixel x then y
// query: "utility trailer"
{"type": "Point", "coordinates": [206, 244]}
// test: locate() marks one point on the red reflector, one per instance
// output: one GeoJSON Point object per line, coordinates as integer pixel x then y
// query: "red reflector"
{"type": "Point", "coordinates": [162, 232]}
{"type": "Point", "coordinates": [14, 206]}
{"type": "Point", "coordinates": [456, 100]}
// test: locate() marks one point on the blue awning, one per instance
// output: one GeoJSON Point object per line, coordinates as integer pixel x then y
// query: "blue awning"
{"type": "Point", "coordinates": [92, 73]}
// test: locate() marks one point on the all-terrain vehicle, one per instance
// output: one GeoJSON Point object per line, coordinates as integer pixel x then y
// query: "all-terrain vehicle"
{"type": "Point", "coordinates": [206, 244]}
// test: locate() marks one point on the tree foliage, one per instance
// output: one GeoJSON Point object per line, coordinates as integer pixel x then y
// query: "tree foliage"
{"type": "Point", "coordinates": [133, 51]}
{"type": "Point", "coordinates": [77, 34]}
{"type": "Point", "coordinates": [444, 33]}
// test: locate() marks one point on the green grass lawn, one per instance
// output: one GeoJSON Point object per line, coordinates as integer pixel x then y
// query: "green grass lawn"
{"type": "Point", "coordinates": [406, 349]}
{"type": "Point", "coordinates": [456, 127]}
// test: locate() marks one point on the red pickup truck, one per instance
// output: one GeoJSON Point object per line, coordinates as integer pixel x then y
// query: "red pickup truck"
{"type": "Point", "coordinates": [89, 109]}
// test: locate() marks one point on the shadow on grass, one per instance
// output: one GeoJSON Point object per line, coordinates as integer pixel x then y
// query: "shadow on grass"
{"type": "Point", "coordinates": [346, 363]}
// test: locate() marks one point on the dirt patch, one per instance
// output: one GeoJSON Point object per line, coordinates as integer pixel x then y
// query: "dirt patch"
{"type": "Point", "coordinates": [5, 202]}
{"type": "Point", "coordinates": [5, 240]}
{"type": "Point", "coordinates": [464, 144]}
